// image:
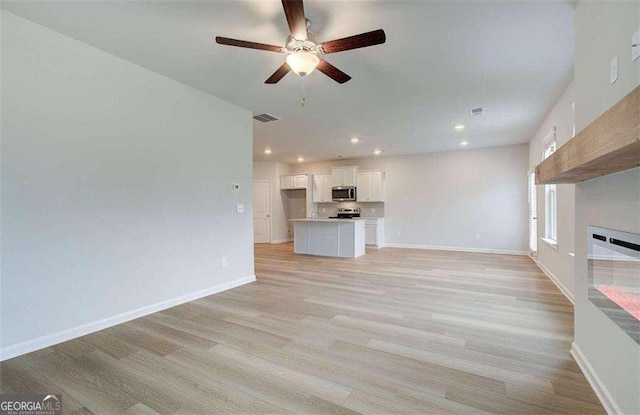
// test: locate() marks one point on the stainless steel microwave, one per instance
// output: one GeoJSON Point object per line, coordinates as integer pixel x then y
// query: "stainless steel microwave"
{"type": "Point", "coordinates": [343, 194]}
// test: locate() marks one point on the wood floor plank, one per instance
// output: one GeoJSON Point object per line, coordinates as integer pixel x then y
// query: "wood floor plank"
{"type": "Point", "coordinates": [17, 377]}
{"type": "Point", "coordinates": [203, 392]}
{"type": "Point", "coordinates": [394, 331]}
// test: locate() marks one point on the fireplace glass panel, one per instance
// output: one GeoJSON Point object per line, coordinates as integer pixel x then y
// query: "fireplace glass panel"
{"type": "Point", "coordinates": [614, 276]}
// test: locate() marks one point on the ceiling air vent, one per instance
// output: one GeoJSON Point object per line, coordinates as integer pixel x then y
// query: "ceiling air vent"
{"type": "Point", "coordinates": [477, 111]}
{"type": "Point", "coordinates": [265, 117]}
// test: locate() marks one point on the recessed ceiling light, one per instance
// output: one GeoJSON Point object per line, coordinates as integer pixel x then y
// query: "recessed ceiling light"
{"type": "Point", "coordinates": [376, 152]}
{"type": "Point", "coordinates": [267, 151]}
{"type": "Point", "coordinates": [464, 143]}
{"type": "Point", "coordinates": [300, 159]}
{"type": "Point", "coordinates": [459, 127]}
{"type": "Point", "coordinates": [355, 139]}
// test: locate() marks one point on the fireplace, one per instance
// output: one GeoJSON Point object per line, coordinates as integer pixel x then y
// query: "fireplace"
{"type": "Point", "coordinates": [614, 276]}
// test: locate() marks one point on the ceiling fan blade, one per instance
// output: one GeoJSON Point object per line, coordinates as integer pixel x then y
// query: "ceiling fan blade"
{"type": "Point", "coordinates": [362, 40]}
{"type": "Point", "coordinates": [294, 11]}
{"type": "Point", "coordinates": [244, 44]}
{"type": "Point", "coordinates": [332, 72]}
{"type": "Point", "coordinates": [279, 74]}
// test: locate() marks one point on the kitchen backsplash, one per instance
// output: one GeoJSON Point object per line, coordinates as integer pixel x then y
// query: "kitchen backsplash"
{"type": "Point", "coordinates": [367, 210]}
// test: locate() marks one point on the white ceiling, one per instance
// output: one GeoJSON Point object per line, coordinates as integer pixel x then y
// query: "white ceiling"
{"type": "Point", "coordinates": [440, 60]}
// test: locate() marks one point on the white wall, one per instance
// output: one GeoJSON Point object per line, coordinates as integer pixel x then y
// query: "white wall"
{"type": "Point", "coordinates": [556, 260]}
{"type": "Point", "coordinates": [271, 171]}
{"type": "Point", "coordinates": [445, 199]}
{"type": "Point", "coordinates": [603, 30]}
{"type": "Point", "coordinates": [116, 189]}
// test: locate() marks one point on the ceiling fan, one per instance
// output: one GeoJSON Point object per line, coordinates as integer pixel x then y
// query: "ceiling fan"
{"type": "Point", "coordinates": [302, 49]}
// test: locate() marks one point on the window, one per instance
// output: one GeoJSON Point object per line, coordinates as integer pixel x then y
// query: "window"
{"type": "Point", "coordinates": [551, 213]}
{"type": "Point", "coordinates": [550, 196]}
{"type": "Point", "coordinates": [533, 213]}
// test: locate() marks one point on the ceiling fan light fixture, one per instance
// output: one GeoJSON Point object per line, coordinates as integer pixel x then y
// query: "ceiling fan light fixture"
{"type": "Point", "coordinates": [302, 63]}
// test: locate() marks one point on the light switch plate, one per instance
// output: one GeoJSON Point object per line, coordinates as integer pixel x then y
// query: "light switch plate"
{"type": "Point", "coordinates": [240, 208]}
{"type": "Point", "coordinates": [635, 46]}
{"type": "Point", "coordinates": [614, 69]}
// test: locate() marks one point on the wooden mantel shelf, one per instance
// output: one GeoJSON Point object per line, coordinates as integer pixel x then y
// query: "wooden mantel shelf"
{"type": "Point", "coordinates": [608, 145]}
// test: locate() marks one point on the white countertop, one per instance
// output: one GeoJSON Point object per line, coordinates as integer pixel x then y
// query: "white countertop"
{"type": "Point", "coordinates": [327, 220]}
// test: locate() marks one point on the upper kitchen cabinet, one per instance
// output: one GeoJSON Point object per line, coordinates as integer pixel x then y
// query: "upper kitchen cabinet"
{"type": "Point", "coordinates": [344, 176]}
{"type": "Point", "coordinates": [371, 186]}
{"type": "Point", "coordinates": [298, 181]}
{"type": "Point", "coordinates": [322, 188]}
{"type": "Point", "coordinates": [286, 182]}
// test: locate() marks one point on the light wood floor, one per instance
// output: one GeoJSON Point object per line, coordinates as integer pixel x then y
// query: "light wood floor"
{"type": "Point", "coordinates": [395, 331]}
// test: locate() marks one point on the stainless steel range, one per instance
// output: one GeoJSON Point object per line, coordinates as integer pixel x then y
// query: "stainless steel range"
{"type": "Point", "coordinates": [347, 213]}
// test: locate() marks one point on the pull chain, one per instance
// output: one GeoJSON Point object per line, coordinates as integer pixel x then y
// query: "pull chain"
{"type": "Point", "coordinates": [304, 94]}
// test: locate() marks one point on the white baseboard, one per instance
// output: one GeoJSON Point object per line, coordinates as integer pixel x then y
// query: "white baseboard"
{"type": "Point", "coordinates": [281, 241]}
{"type": "Point", "coordinates": [72, 333]}
{"type": "Point", "coordinates": [457, 249]}
{"type": "Point", "coordinates": [555, 280]}
{"type": "Point", "coordinates": [594, 380]}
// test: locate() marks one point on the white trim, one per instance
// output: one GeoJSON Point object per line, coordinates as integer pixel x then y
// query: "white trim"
{"type": "Point", "coordinates": [72, 333]}
{"type": "Point", "coordinates": [281, 241]}
{"type": "Point", "coordinates": [555, 280]}
{"type": "Point", "coordinates": [594, 380]}
{"type": "Point", "coordinates": [552, 243]}
{"type": "Point", "coordinates": [457, 249]}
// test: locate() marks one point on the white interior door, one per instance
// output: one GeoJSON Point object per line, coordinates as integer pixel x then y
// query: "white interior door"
{"type": "Point", "coordinates": [261, 212]}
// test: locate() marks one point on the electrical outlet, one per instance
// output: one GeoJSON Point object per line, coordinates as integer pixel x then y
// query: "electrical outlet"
{"type": "Point", "coordinates": [614, 69]}
{"type": "Point", "coordinates": [223, 262]}
{"type": "Point", "coordinates": [240, 208]}
{"type": "Point", "coordinates": [477, 236]}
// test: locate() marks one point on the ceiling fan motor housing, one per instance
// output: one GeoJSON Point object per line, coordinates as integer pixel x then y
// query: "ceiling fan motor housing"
{"type": "Point", "coordinates": [306, 45]}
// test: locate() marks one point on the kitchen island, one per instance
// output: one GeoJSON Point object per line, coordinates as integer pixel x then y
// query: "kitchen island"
{"type": "Point", "coordinates": [329, 237]}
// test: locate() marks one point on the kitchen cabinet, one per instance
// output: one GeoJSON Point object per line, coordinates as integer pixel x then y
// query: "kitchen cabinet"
{"type": "Point", "coordinates": [322, 188]}
{"type": "Point", "coordinates": [344, 176]}
{"type": "Point", "coordinates": [297, 181]}
{"type": "Point", "coordinates": [286, 182]}
{"type": "Point", "coordinates": [370, 186]}
{"type": "Point", "coordinates": [300, 181]}
{"type": "Point", "coordinates": [329, 237]}
{"type": "Point", "coordinates": [374, 232]}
